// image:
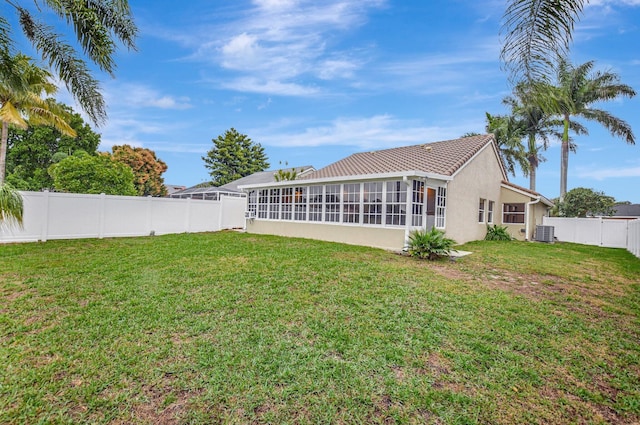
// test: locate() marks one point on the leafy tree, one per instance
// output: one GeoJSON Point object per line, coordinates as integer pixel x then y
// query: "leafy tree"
{"type": "Point", "coordinates": [508, 133]}
{"type": "Point", "coordinates": [233, 156]}
{"type": "Point", "coordinates": [536, 34]}
{"type": "Point", "coordinates": [24, 100]}
{"type": "Point", "coordinates": [22, 84]}
{"type": "Point", "coordinates": [574, 94]}
{"type": "Point", "coordinates": [84, 173]}
{"type": "Point", "coordinates": [582, 202]}
{"type": "Point", "coordinates": [147, 169]}
{"type": "Point", "coordinates": [32, 151]}
{"type": "Point", "coordinates": [97, 26]}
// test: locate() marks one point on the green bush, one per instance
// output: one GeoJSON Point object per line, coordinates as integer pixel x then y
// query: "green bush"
{"type": "Point", "coordinates": [497, 233]}
{"type": "Point", "coordinates": [430, 244]}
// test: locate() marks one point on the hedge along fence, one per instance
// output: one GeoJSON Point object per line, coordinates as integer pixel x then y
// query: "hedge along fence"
{"type": "Point", "coordinates": [50, 215]}
{"type": "Point", "coordinates": [600, 231]}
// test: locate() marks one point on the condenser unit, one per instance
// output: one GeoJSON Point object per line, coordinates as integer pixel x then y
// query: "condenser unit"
{"type": "Point", "coordinates": [544, 233]}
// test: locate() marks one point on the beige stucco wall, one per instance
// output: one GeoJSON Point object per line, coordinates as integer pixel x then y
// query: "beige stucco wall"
{"type": "Point", "coordinates": [533, 216]}
{"type": "Point", "coordinates": [378, 237]}
{"type": "Point", "coordinates": [480, 178]}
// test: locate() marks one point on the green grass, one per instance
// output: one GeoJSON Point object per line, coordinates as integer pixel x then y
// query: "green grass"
{"type": "Point", "coordinates": [239, 328]}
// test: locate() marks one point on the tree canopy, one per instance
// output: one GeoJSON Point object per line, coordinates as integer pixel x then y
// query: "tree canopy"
{"type": "Point", "coordinates": [233, 156]}
{"type": "Point", "coordinates": [583, 202]}
{"type": "Point", "coordinates": [84, 173]}
{"type": "Point", "coordinates": [147, 169]}
{"type": "Point", "coordinates": [32, 151]}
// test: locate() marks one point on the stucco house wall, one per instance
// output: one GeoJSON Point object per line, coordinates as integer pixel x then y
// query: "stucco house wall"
{"type": "Point", "coordinates": [533, 216]}
{"type": "Point", "coordinates": [479, 178]}
{"type": "Point", "coordinates": [377, 237]}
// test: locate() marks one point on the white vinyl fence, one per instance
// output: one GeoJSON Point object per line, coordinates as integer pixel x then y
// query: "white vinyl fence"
{"type": "Point", "coordinates": [600, 231]}
{"type": "Point", "coordinates": [72, 216]}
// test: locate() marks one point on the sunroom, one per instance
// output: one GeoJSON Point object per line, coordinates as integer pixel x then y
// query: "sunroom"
{"type": "Point", "coordinates": [376, 210]}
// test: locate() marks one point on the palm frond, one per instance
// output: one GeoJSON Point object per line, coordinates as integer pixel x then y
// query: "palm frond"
{"type": "Point", "coordinates": [536, 33]}
{"type": "Point", "coordinates": [70, 68]}
{"type": "Point", "coordinates": [11, 206]}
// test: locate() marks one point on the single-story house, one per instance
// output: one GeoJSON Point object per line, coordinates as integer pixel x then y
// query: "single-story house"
{"type": "Point", "coordinates": [377, 198]}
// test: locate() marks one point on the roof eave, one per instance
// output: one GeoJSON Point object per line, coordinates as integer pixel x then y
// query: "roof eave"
{"type": "Point", "coordinates": [361, 177]}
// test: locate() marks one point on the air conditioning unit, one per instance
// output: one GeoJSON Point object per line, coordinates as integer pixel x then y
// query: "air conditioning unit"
{"type": "Point", "coordinates": [544, 233]}
{"type": "Point", "coordinates": [250, 215]}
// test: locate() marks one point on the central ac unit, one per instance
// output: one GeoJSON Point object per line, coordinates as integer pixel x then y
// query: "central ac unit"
{"type": "Point", "coordinates": [544, 233]}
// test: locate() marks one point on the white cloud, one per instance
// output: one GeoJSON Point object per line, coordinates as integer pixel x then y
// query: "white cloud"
{"type": "Point", "coordinates": [142, 96]}
{"type": "Point", "coordinates": [375, 132]}
{"type": "Point", "coordinates": [607, 173]}
{"type": "Point", "coordinates": [254, 85]}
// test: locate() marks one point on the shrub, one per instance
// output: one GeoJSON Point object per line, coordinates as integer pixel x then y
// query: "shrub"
{"type": "Point", "coordinates": [497, 233]}
{"type": "Point", "coordinates": [430, 244]}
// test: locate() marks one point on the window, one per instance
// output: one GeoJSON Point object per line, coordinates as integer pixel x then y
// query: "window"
{"type": "Point", "coordinates": [396, 203]}
{"type": "Point", "coordinates": [315, 203]}
{"type": "Point", "coordinates": [372, 203]}
{"type": "Point", "coordinates": [286, 206]}
{"type": "Point", "coordinates": [441, 200]}
{"type": "Point", "coordinates": [490, 212]}
{"type": "Point", "coordinates": [417, 203]}
{"type": "Point", "coordinates": [513, 213]}
{"type": "Point", "coordinates": [481, 207]}
{"type": "Point", "coordinates": [351, 203]}
{"type": "Point", "coordinates": [263, 203]}
{"type": "Point", "coordinates": [300, 204]}
{"type": "Point", "coordinates": [274, 204]}
{"type": "Point", "coordinates": [252, 201]}
{"type": "Point", "coordinates": [332, 203]}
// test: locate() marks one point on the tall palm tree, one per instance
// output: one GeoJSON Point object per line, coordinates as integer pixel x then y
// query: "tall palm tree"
{"type": "Point", "coordinates": [508, 133]}
{"type": "Point", "coordinates": [97, 25]}
{"type": "Point", "coordinates": [536, 34]}
{"type": "Point", "coordinates": [22, 84]}
{"type": "Point", "coordinates": [577, 88]}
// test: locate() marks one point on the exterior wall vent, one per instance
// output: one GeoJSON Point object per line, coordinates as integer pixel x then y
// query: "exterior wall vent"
{"type": "Point", "coordinates": [544, 233]}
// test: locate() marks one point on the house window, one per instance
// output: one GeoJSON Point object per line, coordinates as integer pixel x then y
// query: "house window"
{"type": "Point", "coordinates": [286, 206]}
{"type": "Point", "coordinates": [490, 212]}
{"type": "Point", "coordinates": [263, 203]}
{"type": "Point", "coordinates": [481, 207]}
{"type": "Point", "coordinates": [441, 201]}
{"type": "Point", "coordinates": [351, 203]}
{"type": "Point", "coordinates": [274, 204]}
{"type": "Point", "coordinates": [396, 203]}
{"type": "Point", "coordinates": [417, 203]}
{"type": "Point", "coordinates": [372, 203]}
{"type": "Point", "coordinates": [513, 213]}
{"type": "Point", "coordinates": [332, 203]}
{"type": "Point", "coordinates": [300, 204]}
{"type": "Point", "coordinates": [315, 203]}
{"type": "Point", "coordinates": [252, 201]}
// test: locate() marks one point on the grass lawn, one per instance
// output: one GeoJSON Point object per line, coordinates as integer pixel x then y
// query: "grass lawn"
{"type": "Point", "coordinates": [239, 328]}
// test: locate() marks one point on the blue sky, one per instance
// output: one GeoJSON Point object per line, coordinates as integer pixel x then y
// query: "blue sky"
{"type": "Point", "coordinates": [316, 80]}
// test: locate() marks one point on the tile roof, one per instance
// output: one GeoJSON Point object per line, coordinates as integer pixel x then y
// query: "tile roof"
{"type": "Point", "coordinates": [265, 177]}
{"type": "Point", "coordinates": [443, 158]}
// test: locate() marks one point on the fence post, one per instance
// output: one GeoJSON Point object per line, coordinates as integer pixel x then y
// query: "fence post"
{"type": "Point", "coordinates": [45, 218]}
{"type": "Point", "coordinates": [101, 214]}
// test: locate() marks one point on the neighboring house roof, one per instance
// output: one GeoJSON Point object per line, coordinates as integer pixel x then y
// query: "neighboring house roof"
{"type": "Point", "coordinates": [266, 177]}
{"type": "Point", "coordinates": [441, 158]}
{"type": "Point", "coordinates": [529, 192]}
{"type": "Point", "coordinates": [173, 188]}
{"type": "Point", "coordinates": [627, 210]}
{"type": "Point", "coordinates": [200, 189]}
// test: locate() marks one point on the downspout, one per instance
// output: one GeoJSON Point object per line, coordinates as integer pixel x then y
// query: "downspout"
{"type": "Point", "coordinates": [526, 224]}
{"type": "Point", "coordinates": [408, 217]}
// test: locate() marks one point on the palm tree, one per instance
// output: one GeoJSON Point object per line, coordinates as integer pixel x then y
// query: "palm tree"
{"type": "Point", "coordinates": [22, 85]}
{"type": "Point", "coordinates": [508, 133]}
{"type": "Point", "coordinates": [576, 90]}
{"type": "Point", "coordinates": [96, 24]}
{"type": "Point", "coordinates": [537, 33]}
